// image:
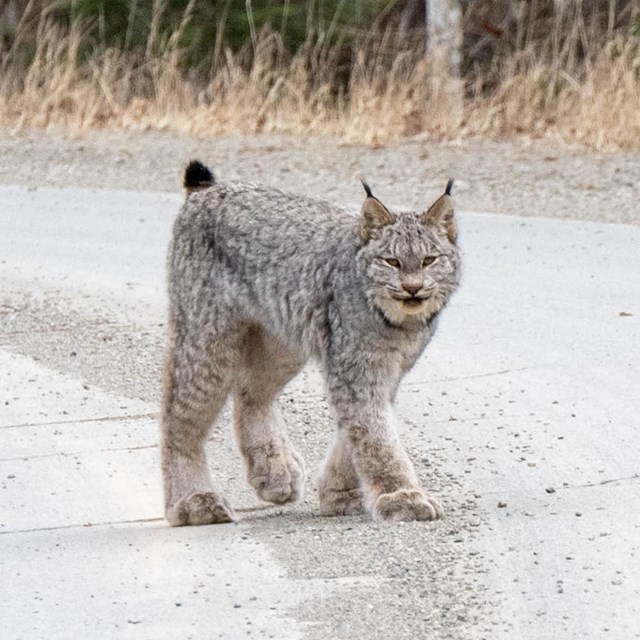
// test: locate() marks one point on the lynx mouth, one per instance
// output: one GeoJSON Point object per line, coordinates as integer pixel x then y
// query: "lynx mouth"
{"type": "Point", "coordinates": [412, 300]}
{"type": "Point", "coordinates": [412, 303]}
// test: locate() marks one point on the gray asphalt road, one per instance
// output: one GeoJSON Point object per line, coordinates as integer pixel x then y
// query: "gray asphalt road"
{"type": "Point", "coordinates": [523, 416]}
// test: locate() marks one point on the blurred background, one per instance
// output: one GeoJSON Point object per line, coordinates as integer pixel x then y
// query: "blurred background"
{"type": "Point", "coordinates": [371, 71]}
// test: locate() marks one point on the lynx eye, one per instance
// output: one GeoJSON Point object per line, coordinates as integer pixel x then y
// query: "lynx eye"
{"type": "Point", "coordinates": [429, 260]}
{"type": "Point", "coordinates": [392, 262]}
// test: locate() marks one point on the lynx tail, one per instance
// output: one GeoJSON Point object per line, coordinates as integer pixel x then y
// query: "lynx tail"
{"type": "Point", "coordinates": [197, 176]}
{"type": "Point", "coordinates": [449, 186]}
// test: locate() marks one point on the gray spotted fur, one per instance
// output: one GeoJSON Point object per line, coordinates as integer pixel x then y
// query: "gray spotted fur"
{"type": "Point", "coordinates": [259, 282]}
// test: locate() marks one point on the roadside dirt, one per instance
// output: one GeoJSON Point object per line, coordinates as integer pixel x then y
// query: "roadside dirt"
{"type": "Point", "coordinates": [516, 178]}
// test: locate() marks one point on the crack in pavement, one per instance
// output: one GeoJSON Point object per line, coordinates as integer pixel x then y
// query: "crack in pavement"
{"type": "Point", "coordinates": [134, 416]}
{"type": "Point", "coordinates": [585, 485]}
{"type": "Point", "coordinates": [77, 453]}
{"type": "Point", "coordinates": [81, 526]}
{"type": "Point", "coordinates": [477, 375]}
{"type": "Point", "coordinates": [635, 476]}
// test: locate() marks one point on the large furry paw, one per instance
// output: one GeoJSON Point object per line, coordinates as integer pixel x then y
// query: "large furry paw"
{"type": "Point", "coordinates": [277, 474]}
{"type": "Point", "coordinates": [200, 508]}
{"type": "Point", "coordinates": [345, 502]}
{"type": "Point", "coordinates": [406, 504]}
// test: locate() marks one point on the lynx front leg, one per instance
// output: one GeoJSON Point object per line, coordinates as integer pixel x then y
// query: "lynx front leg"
{"type": "Point", "coordinates": [274, 468]}
{"type": "Point", "coordinates": [392, 490]}
{"type": "Point", "coordinates": [195, 390]}
{"type": "Point", "coordinates": [389, 484]}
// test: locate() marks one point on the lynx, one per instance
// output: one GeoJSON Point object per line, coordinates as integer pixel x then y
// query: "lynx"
{"type": "Point", "coordinates": [260, 281]}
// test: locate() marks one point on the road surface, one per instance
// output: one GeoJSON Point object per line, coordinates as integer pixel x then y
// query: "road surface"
{"type": "Point", "coordinates": [523, 416]}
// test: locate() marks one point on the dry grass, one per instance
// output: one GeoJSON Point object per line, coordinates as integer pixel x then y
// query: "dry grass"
{"type": "Point", "coordinates": [594, 102]}
{"type": "Point", "coordinates": [543, 90]}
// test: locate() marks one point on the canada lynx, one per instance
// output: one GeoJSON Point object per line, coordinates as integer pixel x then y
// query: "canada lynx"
{"type": "Point", "coordinates": [259, 282]}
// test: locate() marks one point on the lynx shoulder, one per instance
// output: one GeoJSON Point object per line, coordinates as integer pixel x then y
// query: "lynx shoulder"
{"type": "Point", "coordinates": [259, 282]}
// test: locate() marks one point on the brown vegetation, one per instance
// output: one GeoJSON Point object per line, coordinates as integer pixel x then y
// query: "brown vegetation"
{"type": "Point", "coordinates": [569, 83]}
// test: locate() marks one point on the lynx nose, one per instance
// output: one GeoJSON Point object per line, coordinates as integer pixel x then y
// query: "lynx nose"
{"type": "Point", "coordinates": [412, 287]}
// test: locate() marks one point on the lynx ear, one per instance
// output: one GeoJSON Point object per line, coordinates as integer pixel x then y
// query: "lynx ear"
{"type": "Point", "coordinates": [441, 213]}
{"type": "Point", "coordinates": [374, 214]}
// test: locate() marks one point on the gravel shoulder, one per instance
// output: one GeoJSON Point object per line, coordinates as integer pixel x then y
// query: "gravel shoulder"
{"type": "Point", "coordinates": [499, 177]}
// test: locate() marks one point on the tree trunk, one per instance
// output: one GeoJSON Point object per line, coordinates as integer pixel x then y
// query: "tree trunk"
{"type": "Point", "coordinates": [444, 47]}
{"type": "Point", "coordinates": [444, 33]}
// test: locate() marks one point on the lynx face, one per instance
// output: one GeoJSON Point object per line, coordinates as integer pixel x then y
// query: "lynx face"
{"type": "Point", "coordinates": [410, 260]}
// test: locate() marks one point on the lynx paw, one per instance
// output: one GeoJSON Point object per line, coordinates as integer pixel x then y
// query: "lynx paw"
{"type": "Point", "coordinates": [407, 504]}
{"type": "Point", "coordinates": [277, 475]}
{"type": "Point", "coordinates": [347, 502]}
{"type": "Point", "coordinates": [200, 508]}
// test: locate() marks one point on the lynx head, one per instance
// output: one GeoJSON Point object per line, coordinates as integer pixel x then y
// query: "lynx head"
{"type": "Point", "coordinates": [410, 260]}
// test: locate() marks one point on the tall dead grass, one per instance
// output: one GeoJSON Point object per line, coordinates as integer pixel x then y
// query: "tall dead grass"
{"type": "Point", "coordinates": [543, 90]}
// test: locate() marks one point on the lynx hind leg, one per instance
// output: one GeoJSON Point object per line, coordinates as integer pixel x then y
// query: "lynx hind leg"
{"type": "Point", "coordinates": [274, 468]}
{"type": "Point", "coordinates": [339, 487]}
{"type": "Point", "coordinates": [196, 386]}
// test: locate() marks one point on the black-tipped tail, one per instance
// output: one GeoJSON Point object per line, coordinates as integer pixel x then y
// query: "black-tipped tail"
{"type": "Point", "coordinates": [449, 186]}
{"type": "Point", "coordinates": [197, 176]}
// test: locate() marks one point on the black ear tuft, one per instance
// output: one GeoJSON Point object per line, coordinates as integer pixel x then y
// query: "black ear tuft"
{"type": "Point", "coordinates": [447, 190]}
{"type": "Point", "coordinates": [197, 176]}
{"type": "Point", "coordinates": [367, 188]}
